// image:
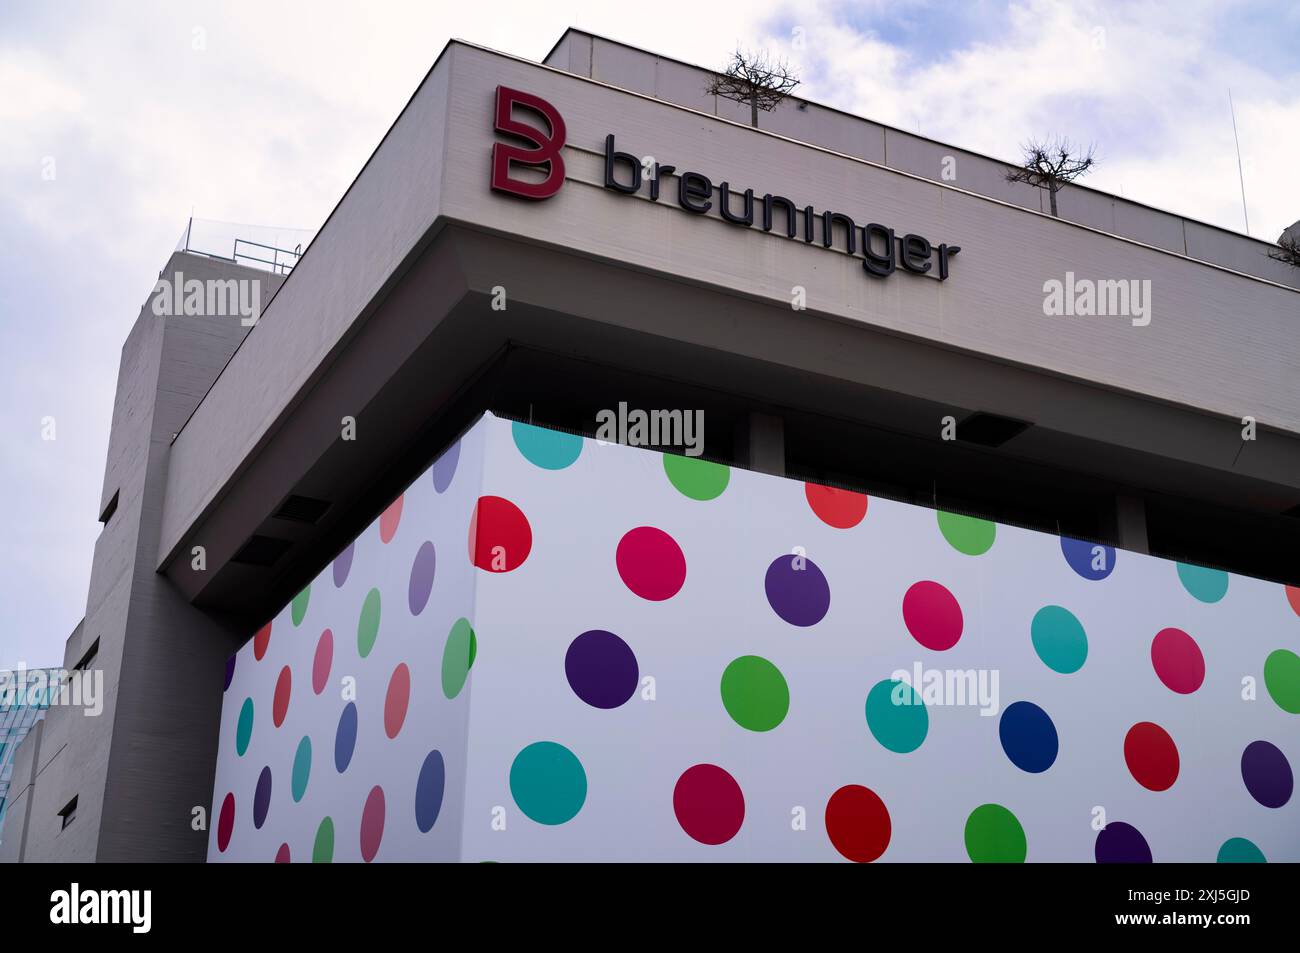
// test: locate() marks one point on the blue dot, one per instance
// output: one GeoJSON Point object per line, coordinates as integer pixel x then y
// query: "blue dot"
{"type": "Point", "coordinates": [1028, 737]}
{"type": "Point", "coordinates": [345, 739]}
{"type": "Point", "coordinates": [428, 791]}
{"type": "Point", "coordinates": [548, 449]}
{"type": "Point", "coordinates": [1092, 561]}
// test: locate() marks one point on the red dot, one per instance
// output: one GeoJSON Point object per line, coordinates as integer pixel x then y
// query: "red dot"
{"type": "Point", "coordinates": [282, 855]}
{"type": "Point", "coordinates": [709, 804]}
{"type": "Point", "coordinates": [1151, 756]}
{"type": "Point", "coordinates": [1178, 661]}
{"type": "Point", "coordinates": [500, 538]}
{"type": "Point", "coordinates": [650, 563]}
{"type": "Point", "coordinates": [842, 509]}
{"type": "Point", "coordinates": [1293, 597]}
{"type": "Point", "coordinates": [372, 824]}
{"type": "Point", "coordinates": [283, 686]}
{"type": "Point", "coordinates": [857, 823]}
{"type": "Point", "coordinates": [261, 641]}
{"type": "Point", "coordinates": [389, 519]}
{"type": "Point", "coordinates": [932, 615]}
{"type": "Point", "coordinates": [226, 823]}
{"type": "Point", "coordinates": [320, 666]}
{"type": "Point", "coordinates": [399, 693]}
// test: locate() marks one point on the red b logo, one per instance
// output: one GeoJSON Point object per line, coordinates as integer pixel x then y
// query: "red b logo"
{"type": "Point", "coordinates": [545, 151]}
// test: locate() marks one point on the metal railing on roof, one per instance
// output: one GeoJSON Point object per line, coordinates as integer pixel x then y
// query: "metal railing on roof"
{"type": "Point", "coordinates": [258, 246]}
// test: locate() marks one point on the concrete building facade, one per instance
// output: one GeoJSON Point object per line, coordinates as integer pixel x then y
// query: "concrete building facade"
{"type": "Point", "coordinates": [737, 283]}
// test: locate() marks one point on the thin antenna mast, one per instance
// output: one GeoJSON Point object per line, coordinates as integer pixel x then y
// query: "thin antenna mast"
{"type": "Point", "coordinates": [1241, 176]}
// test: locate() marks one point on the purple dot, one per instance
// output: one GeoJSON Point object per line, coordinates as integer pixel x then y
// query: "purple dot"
{"type": "Point", "coordinates": [1267, 774]}
{"type": "Point", "coordinates": [343, 565]}
{"type": "Point", "coordinates": [601, 668]}
{"type": "Point", "coordinates": [230, 672]}
{"type": "Point", "coordinates": [445, 468]}
{"type": "Point", "coordinates": [1120, 843]}
{"type": "Point", "coordinates": [797, 590]}
{"type": "Point", "coordinates": [262, 797]}
{"type": "Point", "coordinates": [417, 592]}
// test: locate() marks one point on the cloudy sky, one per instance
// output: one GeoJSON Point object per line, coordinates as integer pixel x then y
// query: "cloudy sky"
{"type": "Point", "coordinates": [263, 111]}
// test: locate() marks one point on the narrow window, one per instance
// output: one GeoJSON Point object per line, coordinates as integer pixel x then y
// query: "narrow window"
{"type": "Point", "coordinates": [68, 814]}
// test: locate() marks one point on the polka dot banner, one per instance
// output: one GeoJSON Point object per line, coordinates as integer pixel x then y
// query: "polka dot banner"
{"type": "Point", "coordinates": [283, 689]}
{"type": "Point", "coordinates": [396, 700]}
{"type": "Point", "coordinates": [298, 608]}
{"type": "Point", "coordinates": [420, 584]}
{"type": "Point", "coordinates": [261, 641]}
{"type": "Point", "coordinates": [368, 623]}
{"type": "Point", "coordinates": [321, 661]}
{"type": "Point", "coordinates": [372, 824]}
{"type": "Point", "coordinates": [322, 848]}
{"type": "Point", "coordinates": [429, 788]}
{"type": "Point", "coordinates": [458, 654]}
{"type": "Point", "coordinates": [342, 565]}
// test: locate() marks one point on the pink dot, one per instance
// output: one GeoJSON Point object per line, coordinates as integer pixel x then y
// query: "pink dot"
{"type": "Point", "coordinates": [389, 519]}
{"type": "Point", "coordinates": [226, 823]}
{"type": "Point", "coordinates": [282, 855]}
{"type": "Point", "coordinates": [399, 693]}
{"type": "Point", "coordinates": [651, 563]}
{"type": "Point", "coordinates": [320, 666]}
{"type": "Point", "coordinates": [372, 824]}
{"type": "Point", "coordinates": [283, 687]}
{"type": "Point", "coordinates": [709, 804]}
{"type": "Point", "coordinates": [932, 615]}
{"type": "Point", "coordinates": [1178, 661]}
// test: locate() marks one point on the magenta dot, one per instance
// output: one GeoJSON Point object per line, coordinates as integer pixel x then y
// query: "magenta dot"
{"type": "Point", "coordinates": [797, 590]}
{"type": "Point", "coordinates": [1178, 661]}
{"type": "Point", "coordinates": [320, 665]}
{"type": "Point", "coordinates": [709, 804]}
{"type": "Point", "coordinates": [372, 824]}
{"type": "Point", "coordinates": [651, 563]}
{"type": "Point", "coordinates": [282, 855]}
{"type": "Point", "coordinates": [226, 822]}
{"type": "Point", "coordinates": [932, 615]}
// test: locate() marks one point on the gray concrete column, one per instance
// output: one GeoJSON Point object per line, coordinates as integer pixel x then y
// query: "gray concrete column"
{"type": "Point", "coordinates": [760, 443]}
{"type": "Point", "coordinates": [1131, 522]}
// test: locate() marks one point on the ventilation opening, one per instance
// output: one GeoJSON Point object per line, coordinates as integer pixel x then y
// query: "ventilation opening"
{"type": "Point", "coordinates": [68, 814]}
{"type": "Point", "coordinates": [88, 657]}
{"type": "Point", "coordinates": [302, 509]}
{"type": "Point", "coordinates": [109, 510]}
{"type": "Point", "coordinates": [1293, 512]}
{"type": "Point", "coordinates": [990, 430]}
{"type": "Point", "coordinates": [261, 551]}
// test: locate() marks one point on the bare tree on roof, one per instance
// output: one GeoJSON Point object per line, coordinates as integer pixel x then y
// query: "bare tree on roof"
{"type": "Point", "coordinates": [1049, 164]}
{"type": "Point", "coordinates": [756, 79]}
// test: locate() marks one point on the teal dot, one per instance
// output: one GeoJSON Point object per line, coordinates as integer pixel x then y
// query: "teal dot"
{"type": "Point", "coordinates": [548, 449]}
{"type": "Point", "coordinates": [548, 783]}
{"type": "Point", "coordinates": [1238, 850]}
{"type": "Point", "coordinates": [1059, 639]}
{"type": "Point", "coordinates": [244, 730]}
{"type": "Point", "coordinates": [1207, 585]}
{"type": "Point", "coordinates": [301, 769]}
{"type": "Point", "coordinates": [897, 716]}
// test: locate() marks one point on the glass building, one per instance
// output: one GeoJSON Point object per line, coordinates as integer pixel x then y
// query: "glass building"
{"type": "Point", "coordinates": [19, 711]}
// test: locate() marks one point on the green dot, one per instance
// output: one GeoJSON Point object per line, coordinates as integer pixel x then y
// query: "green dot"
{"type": "Point", "coordinates": [301, 769]}
{"type": "Point", "coordinates": [244, 730]}
{"type": "Point", "coordinates": [967, 534]}
{"type": "Point", "coordinates": [298, 609]}
{"type": "Point", "coordinates": [1059, 639]}
{"type": "Point", "coordinates": [368, 624]}
{"type": "Point", "coordinates": [322, 851]}
{"type": "Point", "coordinates": [994, 836]}
{"type": "Point", "coordinates": [755, 693]}
{"type": "Point", "coordinates": [458, 657]}
{"type": "Point", "coordinates": [1282, 677]}
{"type": "Point", "coordinates": [548, 783]}
{"type": "Point", "coordinates": [1238, 850]}
{"type": "Point", "coordinates": [695, 477]}
{"type": "Point", "coordinates": [897, 716]}
{"type": "Point", "coordinates": [1207, 585]}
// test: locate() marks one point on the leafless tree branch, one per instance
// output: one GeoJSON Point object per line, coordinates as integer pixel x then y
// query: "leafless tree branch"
{"type": "Point", "coordinates": [756, 79]}
{"type": "Point", "coordinates": [1049, 164]}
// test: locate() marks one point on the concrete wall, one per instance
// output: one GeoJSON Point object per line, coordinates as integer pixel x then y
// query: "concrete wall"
{"type": "Point", "coordinates": [676, 82]}
{"type": "Point", "coordinates": [139, 767]}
